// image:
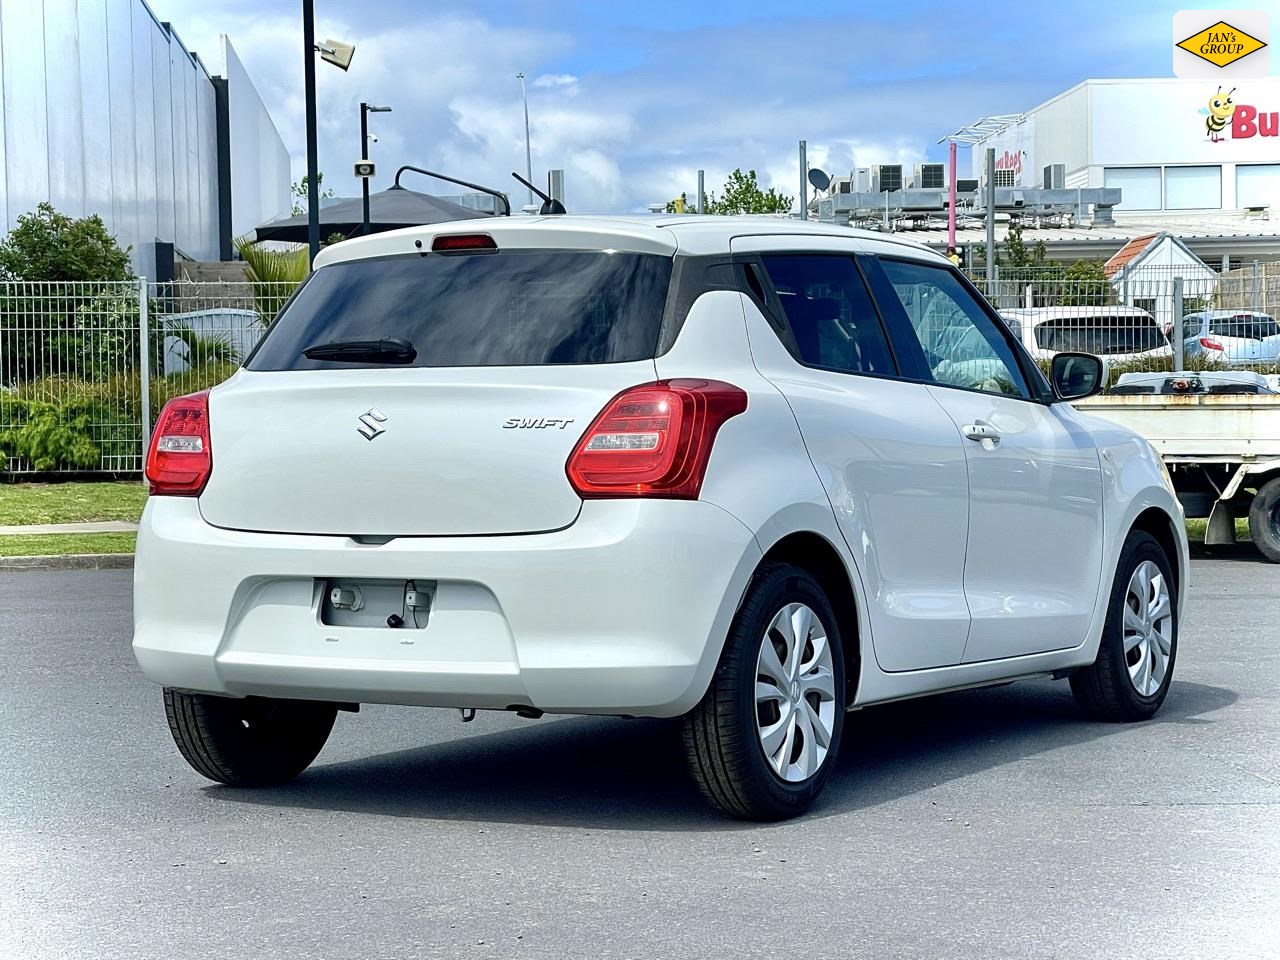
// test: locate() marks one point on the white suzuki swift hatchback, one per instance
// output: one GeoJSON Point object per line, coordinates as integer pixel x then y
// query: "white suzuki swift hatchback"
{"type": "Point", "coordinates": [753, 473]}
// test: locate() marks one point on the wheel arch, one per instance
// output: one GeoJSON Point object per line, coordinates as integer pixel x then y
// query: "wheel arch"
{"type": "Point", "coordinates": [1157, 522]}
{"type": "Point", "coordinates": [816, 555]}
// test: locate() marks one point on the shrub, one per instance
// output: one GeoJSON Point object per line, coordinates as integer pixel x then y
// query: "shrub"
{"type": "Point", "coordinates": [274, 274]}
{"type": "Point", "coordinates": [59, 422]}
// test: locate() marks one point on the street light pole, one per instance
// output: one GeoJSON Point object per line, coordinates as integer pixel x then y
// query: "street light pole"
{"type": "Point", "coordinates": [364, 155]}
{"type": "Point", "coordinates": [365, 110]}
{"type": "Point", "coordinates": [309, 80]}
{"type": "Point", "coordinates": [528, 150]}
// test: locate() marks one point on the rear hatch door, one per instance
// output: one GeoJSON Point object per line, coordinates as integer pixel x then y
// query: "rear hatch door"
{"type": "Point", "coordinates": [514, 354]}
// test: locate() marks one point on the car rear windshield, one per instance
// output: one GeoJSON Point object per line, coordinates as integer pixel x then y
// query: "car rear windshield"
{"type": "Point", "coordinates": [508, 308]}
{"type": "Point", "coordinates": [1256, 326]}
{"type": "Point", "coordinates": [1100, 334]}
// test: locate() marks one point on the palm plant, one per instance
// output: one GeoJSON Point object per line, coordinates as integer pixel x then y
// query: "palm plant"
{"type": "Point", "coordinates": [274, 274]}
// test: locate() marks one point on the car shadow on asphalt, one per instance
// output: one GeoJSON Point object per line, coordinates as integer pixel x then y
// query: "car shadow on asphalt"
{"type": "Point", "coordinates": [607, 773]}
{"type": "Point", "coordinates": [1241, 550]}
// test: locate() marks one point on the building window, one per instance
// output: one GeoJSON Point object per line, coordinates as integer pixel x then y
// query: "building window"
{"type": "Point", "coordinates": [1193, 188]}
{"type": "Point", "coordinates": [1140, 186]}
{"type": "Point", "coordinates": [1258, 185]}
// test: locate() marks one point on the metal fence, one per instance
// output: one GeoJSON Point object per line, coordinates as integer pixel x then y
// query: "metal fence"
{"type": "Point", "coordinates": [86, 367]}
{"type": "Point", "coordinates": [1155, 318]}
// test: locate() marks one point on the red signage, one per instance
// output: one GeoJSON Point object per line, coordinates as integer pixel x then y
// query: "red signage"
{"type": "Point", "coordinates": [1248, 122]}
{"type": "Point", "coordinates": [1011, 160]}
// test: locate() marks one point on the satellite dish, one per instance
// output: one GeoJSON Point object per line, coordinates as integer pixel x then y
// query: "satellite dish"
{"type": "Point", "coordinates": [819, 179]}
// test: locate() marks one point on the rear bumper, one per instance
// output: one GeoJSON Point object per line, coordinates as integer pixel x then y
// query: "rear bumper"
{"type": "Point", "coordinates": [624, 612]}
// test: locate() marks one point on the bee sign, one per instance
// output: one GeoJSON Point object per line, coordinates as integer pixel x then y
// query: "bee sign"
{"type": "Point", "coordinates": [1221, 44]}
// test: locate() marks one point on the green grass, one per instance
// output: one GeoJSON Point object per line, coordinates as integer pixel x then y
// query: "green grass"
{"type": "Point", "coordinates": [22, 503]}
{"type": "Point", "coordinates": [1195, 530]}
{"type": "Point", "coordinates": [62, 544]}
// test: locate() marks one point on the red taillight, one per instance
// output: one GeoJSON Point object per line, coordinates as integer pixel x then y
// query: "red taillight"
{"type": "Point", "coordinates": [463, 242]}
{"type": "Point", "coordinates": [653, 440]}
{"type": "Point", "coordinates": [1210, 344]}
{"type": "Point", "coordinates": [180, 458]}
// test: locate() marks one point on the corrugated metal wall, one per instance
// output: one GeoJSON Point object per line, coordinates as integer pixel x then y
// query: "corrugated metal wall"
{"type": "Point", "coordinates": [106, 112]}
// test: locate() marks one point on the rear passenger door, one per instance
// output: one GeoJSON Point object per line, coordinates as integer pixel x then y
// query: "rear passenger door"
{"type": "Point", "coordinates": [1034, 559]}
{"type": "Point", "coordinates": [889, 458]}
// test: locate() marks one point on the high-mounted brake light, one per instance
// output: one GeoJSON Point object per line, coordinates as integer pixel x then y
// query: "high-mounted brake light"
{"type": "Point", "coordinates": [458, 242]}
{"type": "Point", "coordinates": [653, 440]}
{"type": "Point", "coordinates": [1209, 344]}
{"type": "Point", "coordinates": [180, 458]}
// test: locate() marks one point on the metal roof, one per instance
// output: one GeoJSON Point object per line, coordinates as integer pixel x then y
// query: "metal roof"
{"type": "Point", "coordinates": [1251, 235]}
{"type": "Point", "coordinates": [984, 128]}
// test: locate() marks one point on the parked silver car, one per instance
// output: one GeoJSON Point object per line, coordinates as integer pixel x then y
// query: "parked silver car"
{"type": "Point", "coordinates": [1236, 338]}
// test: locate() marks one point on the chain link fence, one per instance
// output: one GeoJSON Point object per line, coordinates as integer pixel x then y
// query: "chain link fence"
{"type": "Point", "coordinates": [79, 391]}
{"type": "Point", "coordinates": [86, 367]}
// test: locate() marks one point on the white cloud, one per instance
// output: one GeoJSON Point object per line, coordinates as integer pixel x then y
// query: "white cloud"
{"type": "Point", "coordinates": [555, 80]}
{"type": "Point", "coordinates": [737, 96]}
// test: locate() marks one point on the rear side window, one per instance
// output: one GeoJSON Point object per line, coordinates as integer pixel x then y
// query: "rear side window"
{"type": "Point", "coordinates": [511, 308]}
{"type": "Point", "coordinates": [1102, 335]}
{"type": "Point", "coordinates": [1257, 326]}
{"type": "Point", "coordinates": [830, 313]}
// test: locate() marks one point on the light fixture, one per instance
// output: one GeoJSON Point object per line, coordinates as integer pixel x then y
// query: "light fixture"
{"type": "Point", "coordinates": [337, 53]}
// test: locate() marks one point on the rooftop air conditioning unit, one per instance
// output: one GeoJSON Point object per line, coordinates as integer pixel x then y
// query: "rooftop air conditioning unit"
{"type": "Point", "coordinates": [889, 176]}
{"type": "Point", "coordinates": [966, 186]}
{"type": "Point", "coordinates": [930, 176]}
{"type": "Point", "coordinates": [1055, 176]}
{"type": "Point", "coordinates": [862, 177]}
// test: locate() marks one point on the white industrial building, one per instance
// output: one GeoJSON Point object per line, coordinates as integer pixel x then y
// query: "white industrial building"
{"type": "Point", "coordinates": [1150, 138]}
{"type": "Point", "coordinates": [1219, 192]}
{"type": "Point", "coordinates": [1095, 167]}
{"type": "Point", "coordinates": [105, 111]}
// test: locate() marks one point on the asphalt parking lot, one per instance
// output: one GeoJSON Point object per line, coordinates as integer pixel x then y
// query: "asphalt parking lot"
{"type": "Point", "coordinates": [990, 823]}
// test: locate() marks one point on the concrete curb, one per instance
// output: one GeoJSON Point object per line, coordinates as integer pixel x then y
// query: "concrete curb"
{"type": "Point", "coordinates": [71, 561]}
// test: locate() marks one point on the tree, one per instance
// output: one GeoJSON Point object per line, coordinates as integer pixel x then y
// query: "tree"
{"type": "Point", "coordinates": [78, 324]}
{"type": "Point", "coordinates": [299, 191]}
{"type": "Point", "coordinates": [1085, 284]}
{"type": "Point", "coordinates": [742, 194]}
{"type": "Point", "coordinates": [681, 204]}
{"type": "Point", "coordinates": [51, 246]}
{"type": "Point", "coordinates": [1021, 263]}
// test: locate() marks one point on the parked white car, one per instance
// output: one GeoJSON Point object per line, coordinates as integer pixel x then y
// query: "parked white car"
{"type": "Point", "coordinates": [725, 469]}
{"type": "Point", "coordinates": [1234, 338]}
{"type": "Point", "coordinates": [1115, 333]}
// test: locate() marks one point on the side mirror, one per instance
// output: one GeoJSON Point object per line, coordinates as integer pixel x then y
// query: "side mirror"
{"type": "Point", "coordinates": [1077, 375]}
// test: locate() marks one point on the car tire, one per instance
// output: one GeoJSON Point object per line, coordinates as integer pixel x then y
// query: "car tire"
{"type": "Point", "coordinates": [1264, 520]}
{"type": "Point", "coordinates": [727, 734]}
{"type": "Point", "coordinates": [1130, 678]}
{"type": "Point", "coordinates": [250, 742]}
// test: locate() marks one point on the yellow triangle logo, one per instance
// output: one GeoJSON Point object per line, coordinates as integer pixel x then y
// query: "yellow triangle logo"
{"type": "Point", "coordinates": [1221, 44]}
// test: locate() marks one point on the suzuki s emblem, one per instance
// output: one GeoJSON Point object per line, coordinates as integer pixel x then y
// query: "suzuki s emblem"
{"type": "Point", "coordinates": [371, 423]}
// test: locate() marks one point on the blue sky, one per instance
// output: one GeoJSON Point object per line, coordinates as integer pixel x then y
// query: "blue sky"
{"type": "Point", "coordinates": [631, 99]}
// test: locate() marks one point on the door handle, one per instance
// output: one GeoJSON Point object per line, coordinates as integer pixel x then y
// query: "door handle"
{"type": "Point", "coordinates": [981, 431]}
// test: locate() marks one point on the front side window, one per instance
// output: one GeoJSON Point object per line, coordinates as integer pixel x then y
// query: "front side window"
{"type": "Point", "coordinates": [961, 343]}
{"type": "Point", "coordinates": [830, 313]}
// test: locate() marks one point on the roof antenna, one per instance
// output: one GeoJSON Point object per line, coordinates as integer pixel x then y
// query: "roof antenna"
{"type": "Point", "coordinates": [550, 207]}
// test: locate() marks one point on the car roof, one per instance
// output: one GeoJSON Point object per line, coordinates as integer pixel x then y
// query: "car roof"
{"type": "Point", "coordinates": [1043, 314]}
{"type": "Point", "coordinates": [653, 233]}
{"type": "Point", "coordinates": [1229, 314]}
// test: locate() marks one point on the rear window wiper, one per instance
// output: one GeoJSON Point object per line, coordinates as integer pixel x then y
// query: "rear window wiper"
{"type": "Point", "coordinates": [386, 350]}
